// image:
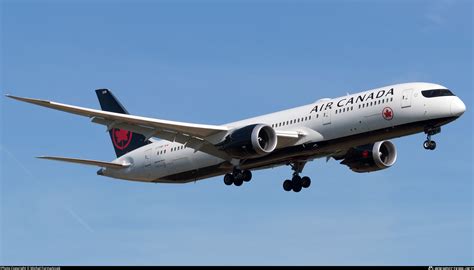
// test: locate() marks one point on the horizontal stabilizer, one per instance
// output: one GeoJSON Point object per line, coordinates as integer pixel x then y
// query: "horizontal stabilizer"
{"type": "Point", "coordinates": [88, 162]}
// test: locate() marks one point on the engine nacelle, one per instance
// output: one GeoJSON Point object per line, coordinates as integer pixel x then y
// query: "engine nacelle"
{"type": "Point", "coordinates": [371, 157]}
{"type": "Point", "coordinates": [251, 141]}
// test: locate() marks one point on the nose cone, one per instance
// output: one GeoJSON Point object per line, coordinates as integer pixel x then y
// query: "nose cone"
{"type": "Point", "coordinates": [457, 107]}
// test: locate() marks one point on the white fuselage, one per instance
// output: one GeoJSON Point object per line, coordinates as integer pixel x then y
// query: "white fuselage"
{"type": "Point", "coordinates": [331, 126]}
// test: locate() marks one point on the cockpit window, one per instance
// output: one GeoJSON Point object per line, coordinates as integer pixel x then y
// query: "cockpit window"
{"type": "Point", "coordinates": [436, 93]}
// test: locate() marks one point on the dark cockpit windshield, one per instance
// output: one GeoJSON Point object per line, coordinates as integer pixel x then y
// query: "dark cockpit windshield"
{"type": "Point", "coordinates": [436, 93]}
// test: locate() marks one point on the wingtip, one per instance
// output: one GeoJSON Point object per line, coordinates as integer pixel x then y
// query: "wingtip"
{"type": "Point", "coordinates": [12, 96]}
{"type": "Point", "coordinates": [44, 157]}
{"type": "Point", "coordinates": [28, 100]}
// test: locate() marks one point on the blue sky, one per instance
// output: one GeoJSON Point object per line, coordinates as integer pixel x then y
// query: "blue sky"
{"type": "Point", "coordinates": [216, 62]}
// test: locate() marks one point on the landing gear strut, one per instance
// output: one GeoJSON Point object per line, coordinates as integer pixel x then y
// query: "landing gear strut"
{"type": "Point", "coordinates": [237, 177]}
{"type": "Point", "coordinates": [297, 183]}
{"type": "Point", "coordinates": [430, 144]}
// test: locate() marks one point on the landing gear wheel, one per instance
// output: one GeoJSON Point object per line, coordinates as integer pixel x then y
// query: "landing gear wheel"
{"type": "Point", "coordinates": [429, 145]}
{"type": "Point", "coordinates": [297, 183]}
{"type": "Point", "coordinates": [305, 182]}
{"type": "Point", "coordinates": [296, 179]}
{"type": "Point", "coordinates": [426, 145]}
{"type": "Point", "coordinates": [228, 179]}
{"type": "Point", "coordinates": [432, 145]}
{"type": "Point", "coordinates": [238, 181]}
{"type": "Point", "coordinates": [287, 185]}
{"type": "Point", "coordinates": [297, 187]}
{"type": "Point", "coordinates": [247, 175]}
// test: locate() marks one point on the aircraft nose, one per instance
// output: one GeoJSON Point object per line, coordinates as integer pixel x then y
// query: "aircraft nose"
{"type": "Point", "coordinates": [457, 107]}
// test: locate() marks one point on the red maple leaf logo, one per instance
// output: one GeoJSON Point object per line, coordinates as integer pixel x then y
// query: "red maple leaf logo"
{"type": "Point", "coordinates": [121, 135]}
{"type": "Point", "coordinates": [388, 113]}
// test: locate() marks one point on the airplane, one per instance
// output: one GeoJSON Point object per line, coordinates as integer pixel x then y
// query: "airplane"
{"type": "Point", "coordinates": [353, 129]}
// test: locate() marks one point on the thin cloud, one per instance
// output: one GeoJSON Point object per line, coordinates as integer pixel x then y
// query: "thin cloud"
{"type": "Point", "coordinates": [17, 161]}
{"type": "Point", "coordinates": [79, 219]}
{"type": "Point", "coordinates": [32, 176]}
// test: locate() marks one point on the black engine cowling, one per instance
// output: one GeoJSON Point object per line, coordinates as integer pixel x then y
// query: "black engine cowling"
{"type": "Point", "coordinates": [371, 157]}
{"type": "Point", "coordinates": [251, 141]}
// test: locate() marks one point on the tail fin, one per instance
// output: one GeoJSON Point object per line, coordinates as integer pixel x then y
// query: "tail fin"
{"type": "Point", "coordinates": [123, 141]}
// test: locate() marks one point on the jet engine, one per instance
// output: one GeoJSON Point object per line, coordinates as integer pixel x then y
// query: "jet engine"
{"type": "Point", "coordinates": [251, 141]}
{"type": "Point", "coordinates": [371, 157]}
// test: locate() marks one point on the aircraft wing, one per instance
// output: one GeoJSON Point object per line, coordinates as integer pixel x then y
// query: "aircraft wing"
{"type": "Point", "coordinates": [197, 136]}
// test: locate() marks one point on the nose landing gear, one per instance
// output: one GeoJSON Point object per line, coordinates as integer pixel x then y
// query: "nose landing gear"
{"type": "Point", "coordinates": [430, 144]}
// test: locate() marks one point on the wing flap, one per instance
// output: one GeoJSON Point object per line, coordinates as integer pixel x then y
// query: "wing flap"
{"type": "Point", "coordinates": [98, 163]}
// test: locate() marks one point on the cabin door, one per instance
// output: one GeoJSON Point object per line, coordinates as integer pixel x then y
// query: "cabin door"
{"type": "Point", "coordinates": [406, 98]}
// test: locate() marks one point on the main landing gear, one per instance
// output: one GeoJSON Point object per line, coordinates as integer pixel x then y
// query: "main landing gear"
{"type": "Point", "coordinates": [237, 177]}
{"type": "Point", "coordinates": [297, 182]}
{"type": "Point", "coordinates": [430, 144]}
